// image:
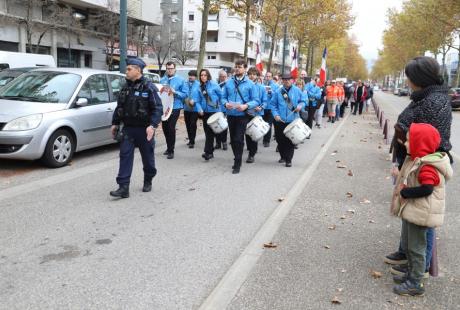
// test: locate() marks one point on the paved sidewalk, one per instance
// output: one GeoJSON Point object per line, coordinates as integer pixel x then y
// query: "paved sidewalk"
{"type": "Point", "coordinates": [330, 244]}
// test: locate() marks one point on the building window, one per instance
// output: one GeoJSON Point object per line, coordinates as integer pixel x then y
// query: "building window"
{"type": "Point", "coordinates": [191, 16]}
{"type": "Point", "coordinates": [174, 16]}
{"type": "Point", "coordinates": [88, 60]}
{"type": "Point", "coordinates": [212, 57]}
{"type": "Point", "coordinates": [174, 1]}
{"type": "Point", "coordinates": [190, 35]}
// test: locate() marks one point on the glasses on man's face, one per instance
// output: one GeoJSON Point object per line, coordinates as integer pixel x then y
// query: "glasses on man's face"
{"type": "Point", "coordinates": [171, 68]}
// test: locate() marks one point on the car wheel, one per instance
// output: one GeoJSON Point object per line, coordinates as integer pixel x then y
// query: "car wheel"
{"type": "Point", "coordinates": [59, 149]}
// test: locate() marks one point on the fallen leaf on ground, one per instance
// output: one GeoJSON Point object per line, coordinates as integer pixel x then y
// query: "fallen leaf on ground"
{"type": "Point", "coordinates": [327, 247]}
{"type": "Point", "coordinates": [350, 173]}
{"type": "Point", "coordinates": [333, 153]}
{"type": "Point", "coordinates": [380, 147]}
{"type": "Point", "coordinates": [325, 214]}
{"type": "Point", "coordinates": [191, 189]}
{"type": "Point", "coordinates": [337, 161]}
{"type": "Point", "coordinates": [340, 289]}
{"type": "Point", "coordinates": [281, 199]}
{"type": "Point", "coordinates": [341, 166]}
{"type": "Point", "coordinates": [372, 221]}
{"type": "Point", "coordinates": [343, 270]}
{"type": "Point", "coordinates": [351, 211]}
{"type": "Point", "coordinates": [336, 300]}
{"type": "Point", "coordinates": [270, 245]}
{"type": "Point", "coordinates": [376, 274]}
{"type": "Point", "coordinates": [343, 217]}
{"type": "Point", "coordinates": [349, 195]}
{"type": "Point", "coordinates": [355, 122]}
{"type": "Point", "coordinates": [365, 201]}
{"type": "Point", "coordinates": [332, 227]}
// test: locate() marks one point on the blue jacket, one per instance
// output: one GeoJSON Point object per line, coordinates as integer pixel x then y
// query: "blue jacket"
{"type": "Point", "coordinates": [280, 104]}
{"type": "Point", "coordinates": [274, 89]}
{"type": "Point", "coordinates": [314, 94]}
{"type": "Point", "coordinates": [248, 90]}
{"type": "Point", "coordinates": [180, 87]}
{"type": "Point", "coordinates": [192, 87]}
{"type": "Point", "coordinates": [214, 94]}
{"type": "Point", "coordinates": [263, 100]}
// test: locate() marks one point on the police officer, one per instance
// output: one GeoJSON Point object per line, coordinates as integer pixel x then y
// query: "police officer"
{"type": "Point", "coordinates": [139, 110]}
{"type": "Point", "coordinates": [239, 94]}
{"type": "Point", "coordinates": [286, 105]}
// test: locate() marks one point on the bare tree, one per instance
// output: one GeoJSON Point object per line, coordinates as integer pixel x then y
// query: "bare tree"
{"type": "Point", "coordinates": [160, 47]}
{"type": "Point", "coordinates": [184, 49]}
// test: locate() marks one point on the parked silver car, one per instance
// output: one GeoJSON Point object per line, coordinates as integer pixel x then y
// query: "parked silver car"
{"type": "Point", "coordinates": [52, 113]}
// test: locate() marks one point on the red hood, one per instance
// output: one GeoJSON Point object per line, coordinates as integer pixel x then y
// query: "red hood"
{"type": "Point", "coordinates": [424, 139]}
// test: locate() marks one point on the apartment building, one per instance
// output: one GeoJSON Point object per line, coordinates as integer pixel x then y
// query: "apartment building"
{"type": "Point", "coordinates": [86, 46]}
{"type": "Point", "coordinates": [225, 35]}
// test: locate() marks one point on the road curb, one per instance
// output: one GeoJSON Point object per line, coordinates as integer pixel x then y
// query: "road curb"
{"type": "Point", "coordinates": [229, 285]}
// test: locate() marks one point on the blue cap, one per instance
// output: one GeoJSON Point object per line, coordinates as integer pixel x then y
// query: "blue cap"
{"type": "Point", "coordinates": [136, 62]}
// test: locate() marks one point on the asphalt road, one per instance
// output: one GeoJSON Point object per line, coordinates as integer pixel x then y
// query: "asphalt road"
{"type": "Point", "coordinates": [65, 244]}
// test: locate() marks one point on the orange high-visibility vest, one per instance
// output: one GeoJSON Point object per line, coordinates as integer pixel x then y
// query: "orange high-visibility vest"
{"type": "Point", "coordinates": [332, 93]}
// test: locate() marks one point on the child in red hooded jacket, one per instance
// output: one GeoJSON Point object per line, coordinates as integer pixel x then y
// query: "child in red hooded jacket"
{"type": "Point", "coordinates": [419, 199]}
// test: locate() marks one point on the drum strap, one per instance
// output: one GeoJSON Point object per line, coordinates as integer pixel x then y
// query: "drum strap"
{"type": "Point", "coordinates": [288, 100]}
{"type": "Point", "coordinates": [242, 98]}
{"type": "Point", "coordinates": [206, 96]}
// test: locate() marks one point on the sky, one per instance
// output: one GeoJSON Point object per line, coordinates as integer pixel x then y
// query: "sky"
{"type": "Point", "coordinates": [370, 22]}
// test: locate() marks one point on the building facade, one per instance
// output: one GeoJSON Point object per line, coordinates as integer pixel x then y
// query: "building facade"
{"type": "Point", "coordinates": [75, 40]}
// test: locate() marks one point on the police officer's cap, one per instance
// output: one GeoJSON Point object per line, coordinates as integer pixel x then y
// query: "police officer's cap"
{"type": "Point", "coordinates": [136, 62]}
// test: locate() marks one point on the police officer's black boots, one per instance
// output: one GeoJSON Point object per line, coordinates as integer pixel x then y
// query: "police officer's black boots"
{"type": "Point", "coordinates": [147, 185]}
{"type": "Point", "coordinates": [121, 192]}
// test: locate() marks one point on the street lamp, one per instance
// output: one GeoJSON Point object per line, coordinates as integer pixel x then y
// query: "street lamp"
{"type": "Point", "coordinates": [77, 17]}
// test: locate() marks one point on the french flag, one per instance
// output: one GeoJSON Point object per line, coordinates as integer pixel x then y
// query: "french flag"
{"type": "Point", "coordinates": [322, 71]}
{"type": "Point", "coordinates": [259, 64]}
{"type": "Point", "coordinates": [294, 66]}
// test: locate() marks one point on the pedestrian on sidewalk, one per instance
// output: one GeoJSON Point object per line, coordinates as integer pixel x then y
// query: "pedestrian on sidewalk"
{"type": "Point", "coordinates": [332, 97]}
{"type": "Point", "coordinates": [419, 199]}
{"type": "Point", "coordinates": [360, 96]}
{"type": "Point", "coordinates": [286, 105]}
{"type": "Point", "coordinates": [135, 119]}
{"type": "Point", "coordinates": [351, 91]}
{"type": "Point", "coordinates": [191, 109]}
{"type": "Point", "coordinates": [271, 87]}
{"type": "Point", "coordinates": [370, 95]}
{"type": "Point", "coordinates": [430, 104]}
{"type": "Point", "coordinates": [178, 87]}
{"type": "Point", "coordinates": [341, 99]}
{"type": "Point", "coordinates": [221, 138]}
{"type": "Point", "coordinates": [208, 97]}
{"type": "Point", "coordinates": [239, 94]}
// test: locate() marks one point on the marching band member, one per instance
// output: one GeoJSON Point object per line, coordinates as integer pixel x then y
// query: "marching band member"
{"type": "Point", "coordinates": [239, 94]}
{"type": "Point", "coordinates": [176, 86]}
{"type": "Point", "coordinates": [271, 87]}
{"type": "Point", "coordinates": [254, 76]}
{"type": "Point", "coordinates": [208, 97]}
{"type": "Point", "coordinates": [221, 138]}
{"type": "Point", "coordinates": [190, 109]}
{"type": "Point", "coordinates": [286, 105]}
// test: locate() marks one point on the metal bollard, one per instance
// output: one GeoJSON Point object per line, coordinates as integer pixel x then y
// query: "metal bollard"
{"type": "Point", "coordinates": [386, 131]}
{"type": "Point", "coordinates": [381, 119]}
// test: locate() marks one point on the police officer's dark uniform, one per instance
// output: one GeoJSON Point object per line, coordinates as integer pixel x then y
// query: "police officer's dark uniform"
{"type": "Point", "coordinates": [138, 107]}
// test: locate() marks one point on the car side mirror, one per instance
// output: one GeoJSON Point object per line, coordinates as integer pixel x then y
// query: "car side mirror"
{"type": "Point", "coordinates": [81, 102]}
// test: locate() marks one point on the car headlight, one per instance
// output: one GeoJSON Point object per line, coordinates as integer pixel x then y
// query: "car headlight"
{"type": "Point", "coordinates": [24, 123]}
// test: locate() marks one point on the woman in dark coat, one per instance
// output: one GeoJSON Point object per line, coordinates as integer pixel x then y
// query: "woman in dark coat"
{"type": "Point", "coordinates": [430, 104]}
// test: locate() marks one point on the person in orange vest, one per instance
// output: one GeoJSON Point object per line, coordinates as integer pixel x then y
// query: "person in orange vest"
{"type": "Point", "coordinates": [332, 99]}
{"type": "Point", "coordinates": [341, 98]}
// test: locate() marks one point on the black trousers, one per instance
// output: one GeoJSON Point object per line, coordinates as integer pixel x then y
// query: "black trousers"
{"type": "Point", "coordinates": [191, 119]}
{"type": "Point", "coordinates": [222, 137]}
{"type": "Point", "coordinates": [359, 106]}
{"type": "Point", "coordinates": [311, 115]}
{"type": "Point", "coordinates": [169, 130]}
{"type": "Point", "coordinates": [209, 144]}
{"type": "Point", "coordinates": [252, 145]}
{"type": "Point", "coordinates": [342, 108]}
{"type": "Point", "coordinates": [237, 128]}
{"type": "Point", "coordinates": [285, 146]}
{"type": "Point", "coordinates": [268, 117]}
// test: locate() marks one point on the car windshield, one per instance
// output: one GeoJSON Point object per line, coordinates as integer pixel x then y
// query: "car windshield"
{"type": "Point", "coordinates": [42, 86]}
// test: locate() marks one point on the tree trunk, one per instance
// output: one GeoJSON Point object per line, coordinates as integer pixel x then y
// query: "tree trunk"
{"type": "Point", "coordinates": [204, 34]}
{"type": "Point", "coordinates": [312, 58]}
{"type": "Point", "coordinates": [458, 63]}
{"type": "Point", "coordinates": [307, 65]}
{"type": "Point", "coordinates": [246, 36]}
{"type": "Point", "coordinates": [272, 44]}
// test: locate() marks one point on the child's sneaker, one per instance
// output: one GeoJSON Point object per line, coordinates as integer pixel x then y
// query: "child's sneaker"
{"type": "Point", "coordinates": [401, 270]}
{"type": "Point", "coordinates": [396, 258]}
{"type": "Point", "coordinates": [409, 288]}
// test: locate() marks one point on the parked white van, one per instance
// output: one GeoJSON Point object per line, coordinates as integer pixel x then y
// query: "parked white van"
{"type": "Point", "coordinates": [10, 60]}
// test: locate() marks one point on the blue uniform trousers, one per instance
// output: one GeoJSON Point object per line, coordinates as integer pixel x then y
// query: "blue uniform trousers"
{"type": "Point", "coordinates": [135, 137]}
